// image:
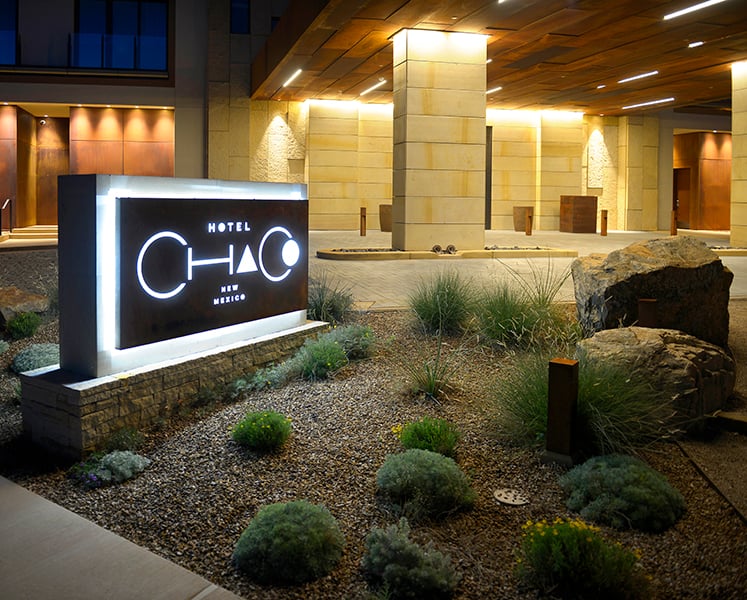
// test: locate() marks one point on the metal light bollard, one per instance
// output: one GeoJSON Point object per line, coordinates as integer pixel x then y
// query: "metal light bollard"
{"type": "Point", "coordinates": [562, 401]}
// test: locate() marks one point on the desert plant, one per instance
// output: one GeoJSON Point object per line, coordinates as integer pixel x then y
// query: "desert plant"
{"type": "Point", "coordinates": [3, 346]}
{"type": "Point", "coordinates": [570, 559]}
{"type": "Point", "coordinates": [328, 300]}
{"type": "Point", "coordinates": [318, 358]}
{"type": "Point", "coordinates": [436, 435]}
{"type": "Point", "coordinates": [624, 492]}
{"type": "Point", "coordinates": [23, 325]}
{"type": "Point", "coordinates": [402, 569]}
{"type": "Point", "coordinates": [126, 438]}
{"type": "Point", "coordinates": [443, 302]}
{"type": "Point", "coordinates": [289, 543]}
{"type": "Point", "coordinates": [432, 375]}
{"type": "Point", "coordinates": [105, 469]}
{"type": "Point", "coordinates": [424, 484]}
{"type": "Point", "coordinates": [263, 431]}
{"type": "Point", "coordinates": [356, 340]}
{"type": "Point", "coordinates": [617, 411]}
{"type": "Point", "coordinates": [36, 356]}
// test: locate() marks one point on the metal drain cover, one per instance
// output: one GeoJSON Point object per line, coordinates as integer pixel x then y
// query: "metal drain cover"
{"type": "Point", "coordinates": [509, 496]}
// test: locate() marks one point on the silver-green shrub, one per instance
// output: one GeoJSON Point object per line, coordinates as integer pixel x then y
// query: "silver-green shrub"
{"type": "Point", "coordinates": [121, 465]}
{"type": "Point", "coordinates": [402, 569]}
{"type": "Point", "coordinates": [623, 492]}
{"type": "Point", "coordinates": [289, 543]}
{"type": "Point", "coordinates": [36, 356]}
{"type": "Point", "coordinates": [424, 484]}
{"type": "Point", "coordinates": [3, 346]}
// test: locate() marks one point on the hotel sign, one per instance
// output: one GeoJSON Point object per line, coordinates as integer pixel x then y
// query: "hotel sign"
{"type": "Point", "coordinates": [193, 265]}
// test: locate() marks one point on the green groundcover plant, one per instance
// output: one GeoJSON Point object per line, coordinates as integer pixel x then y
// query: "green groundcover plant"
{"type": "Point", "coordinates": [289, 543]}
{"type": "Point", "coordinates": [262, 431]}
{"type": "Point", "coordinates": [436, 435]}
{"type": "Point", "coordinates": [23, 325]}
{"type": "Point", "coordinates": [570, 559]}
{"type": "Point", "coordinates": [424, 484]}
{"type": "Point", "coordinates": [623, 492]}
{"type": "Point", "coordinates": [100, 469]}
{"type": "Point", "coordinates": [36, 356]}
{"type": "Point", "coordinates": [401, 569]}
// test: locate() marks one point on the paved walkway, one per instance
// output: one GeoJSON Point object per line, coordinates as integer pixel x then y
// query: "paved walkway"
{"type": "Point", "coordinates": [49, 552]}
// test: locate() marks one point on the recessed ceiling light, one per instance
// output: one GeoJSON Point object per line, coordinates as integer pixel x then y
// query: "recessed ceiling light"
{"type": "Point", "coordinates": [641, 76]}
{"type": "Point", "coordinates": [495, 89]}
{"type": "Point", "coordinates": [490, 60]}
{"type": "Point", "coordinates": [292, 77]}
{"type": "Point", "coordinates": [695, 44]}
{"type": "Point", "coordinates": [601, 85]}
{"type": "Point", "coordinates": [692, 8]}
{"type": "Point", "coordinates": [650, 103]}
{"type": "Point", "coordinates": [373, 87]}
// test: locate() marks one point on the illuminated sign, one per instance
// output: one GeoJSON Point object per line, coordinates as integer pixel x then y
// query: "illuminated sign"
{"type": "Point", "coordinates": [193, 265]}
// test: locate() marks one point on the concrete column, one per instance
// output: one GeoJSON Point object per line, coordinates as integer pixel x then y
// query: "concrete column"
{"type": "Point", "coordinates": [438, 182]}
{"type": "Point", "coordinates": [739, 154]}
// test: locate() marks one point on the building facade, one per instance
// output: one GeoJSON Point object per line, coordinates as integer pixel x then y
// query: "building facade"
{"type": "Point", "coordinates": [162, 87]}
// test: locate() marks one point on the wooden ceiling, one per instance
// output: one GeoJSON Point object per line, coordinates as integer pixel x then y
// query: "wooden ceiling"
{"type": "Point", "coordinates": [545, 53]}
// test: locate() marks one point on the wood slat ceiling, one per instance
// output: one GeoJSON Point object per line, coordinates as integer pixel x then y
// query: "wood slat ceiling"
{"type": "Point", "coordinates": [544, 53]}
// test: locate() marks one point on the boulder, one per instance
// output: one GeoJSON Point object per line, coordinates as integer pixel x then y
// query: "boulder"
{"type": "Point", "coordinates": [14, 301]}
{"type": "Point", "coordinates": [696, 376]}
{"type": "Point", "coordinates": [685, 277]}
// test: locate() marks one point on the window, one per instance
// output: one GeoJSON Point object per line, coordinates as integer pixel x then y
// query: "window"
{"type": "Point", "coordinates": [8, 29]}
{"type": "Point", "coordinates": [121, 34]}
{"type": "Point", "coordinates": [240, 16]}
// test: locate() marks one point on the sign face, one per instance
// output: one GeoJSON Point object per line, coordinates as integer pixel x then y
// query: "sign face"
{"type": "Point", "coordinates": [193, 265]}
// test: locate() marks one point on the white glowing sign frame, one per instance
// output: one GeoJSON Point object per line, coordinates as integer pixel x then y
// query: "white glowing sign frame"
{"type": "Point", "coordinates": [110, 360]}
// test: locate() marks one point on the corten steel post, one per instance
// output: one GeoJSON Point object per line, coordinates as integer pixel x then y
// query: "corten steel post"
{"type": "Point", "coordinates": [603, 223]}
{"type": "Point", "coordinates": [647, 312]}
{"type": "Point", "coordinates": [673, 223]}
{"type": "Point", "coordinates": [562, 400]}
{"type": "Point", "coordinates": [528, 221]}
{"type": "Point", "coordinates": [363, 220]}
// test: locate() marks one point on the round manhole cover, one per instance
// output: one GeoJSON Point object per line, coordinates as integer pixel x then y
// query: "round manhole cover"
{"type": "Point", "coordinates": [509, 496]}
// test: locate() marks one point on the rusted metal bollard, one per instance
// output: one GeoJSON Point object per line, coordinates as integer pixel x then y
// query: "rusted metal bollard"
{"type": "Point", "coordinates": [363, 220]}
{"type": "Point", "coordinates": [673, 223]}
{"type": "Point", "coordinates": [647, 313]}
{"type": "Point", "coordinates": [528, 221]}
{"type": "Point", "coordinates": [562, 400]}
{"type": "Point", "coordinates": [603, 223]}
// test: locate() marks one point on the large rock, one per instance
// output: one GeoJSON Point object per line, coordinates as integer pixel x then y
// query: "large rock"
{"type": "Point", "coordinates": [14, 301]}
{"type": "Point", "coordinates": [688, 280]}
{"type": "Point", "coordinates": [696, 376]}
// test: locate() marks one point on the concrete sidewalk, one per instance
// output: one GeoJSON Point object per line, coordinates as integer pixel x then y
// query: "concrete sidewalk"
{"type": "Point", "coordinates": [49, 552]}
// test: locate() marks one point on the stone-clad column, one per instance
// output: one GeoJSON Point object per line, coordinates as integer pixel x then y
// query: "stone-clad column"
{"type": "Point", "coordinates": [438, 182]}
{"type": "Point", "coordinates": [739, 154]}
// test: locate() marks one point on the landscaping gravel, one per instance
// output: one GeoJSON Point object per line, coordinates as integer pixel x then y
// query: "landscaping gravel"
{"type": "Point", "coordinates": [202, 489]}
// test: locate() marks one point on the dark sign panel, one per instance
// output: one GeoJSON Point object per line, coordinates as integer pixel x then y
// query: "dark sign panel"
{"type": "Point", "coordinates": [187, 266]}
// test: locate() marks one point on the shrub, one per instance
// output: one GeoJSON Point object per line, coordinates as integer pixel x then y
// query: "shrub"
{"type": "Point", "coordinates": [318, 358]}
{"type": "Point", "coordinates": [36, 356]}
{"type": "Point", "coordinates": [126, 438]}
{"type": "Point", "coordinates": [443, 303]}
{"type": "Point", "coordinates": [569, 559]}
{"type": "Point", "coordinates": [617, 411]}
{"type": "Point", "coordinates": [436, 435]}
{"type": "Point", "coordinates": [23, 325]}
{"type": "Point", "coordinates": [355, 340]}
{"type": "Point", "coordinates": [328, 300]}
{"type": "Point", "coordinates": [289, 543]}
{"type": "Point", "coordinates": [623, 492]}
{"type": "Point", "coordinates": [106, 469]}
{"type": "Point", "coordinates": [403, 569]}
{"type": "Point", "coordinates": [3, 346]}
{"type": "Point", "coordinates": [424, 483]}
{"type": "Point", "coordinates": [263, 431]}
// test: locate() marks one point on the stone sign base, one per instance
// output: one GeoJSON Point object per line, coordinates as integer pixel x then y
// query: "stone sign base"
{"type": "Point", "coordinates": [70, 416]}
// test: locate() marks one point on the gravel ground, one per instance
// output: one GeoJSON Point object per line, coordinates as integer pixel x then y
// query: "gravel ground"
{"type": "Point", "coordinates": [201, 490]}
